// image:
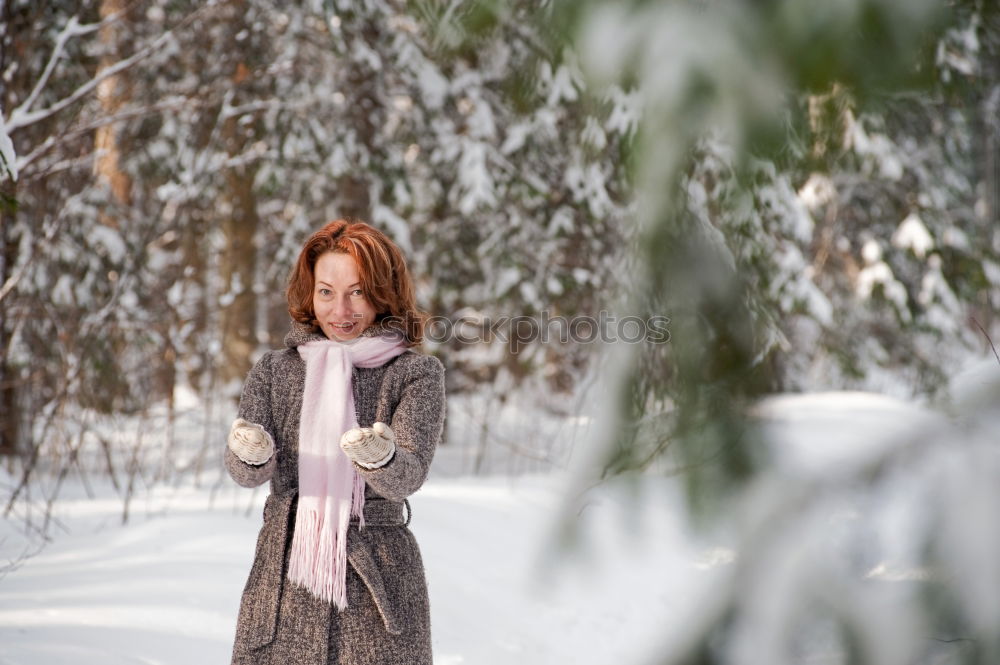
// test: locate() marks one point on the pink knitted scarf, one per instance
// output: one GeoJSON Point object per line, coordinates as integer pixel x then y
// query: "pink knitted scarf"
{"type": "Point", "coordinates": [330, 489]}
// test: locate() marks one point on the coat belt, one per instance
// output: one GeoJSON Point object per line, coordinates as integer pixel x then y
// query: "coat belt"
{"type": "Point", "coordinates": [378, 513]}
{"type": "Point", "coordinates": [359, 555]}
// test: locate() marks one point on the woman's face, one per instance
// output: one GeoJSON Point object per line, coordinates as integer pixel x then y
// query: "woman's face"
{"type": "Point", "coordinates": [341, 309]}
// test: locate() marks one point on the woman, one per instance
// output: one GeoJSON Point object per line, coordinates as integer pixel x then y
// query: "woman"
{"type": "Point", "coordinates": [337, 575]}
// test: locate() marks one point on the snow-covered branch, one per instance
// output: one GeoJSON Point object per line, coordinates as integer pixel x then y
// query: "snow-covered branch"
{"type": "Point", "coordinates": [172, 104]}
{"type": "Point", "coordinates": [8, 158]}
{"type": "Point", "coordinates": [73, 29]}
{"type": "Point", "coordinates": [22, 116]}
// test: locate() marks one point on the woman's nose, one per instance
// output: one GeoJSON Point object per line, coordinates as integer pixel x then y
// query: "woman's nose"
{"type": "Point", "coordinates": [342, 308]}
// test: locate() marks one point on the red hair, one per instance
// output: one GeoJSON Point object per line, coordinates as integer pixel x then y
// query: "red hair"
{"type": "Point", "coordinates": [385, 279]}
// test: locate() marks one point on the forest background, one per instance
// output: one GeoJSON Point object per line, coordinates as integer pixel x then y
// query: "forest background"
{"type": "Point", "coordinates": [803, 195]}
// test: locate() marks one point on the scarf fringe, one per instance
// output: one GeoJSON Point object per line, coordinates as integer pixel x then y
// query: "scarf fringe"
{"type": "Point", "coordinates": [315, 544]}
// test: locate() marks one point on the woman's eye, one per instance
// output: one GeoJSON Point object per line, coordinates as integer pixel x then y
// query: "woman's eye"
{"type": "Point", "coordinates": [324, 292]}
{"type": "Point", "coordinates": [356, 292]}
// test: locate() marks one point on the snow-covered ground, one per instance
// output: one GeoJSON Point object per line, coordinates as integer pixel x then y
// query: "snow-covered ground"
{"type": "Point", "coordinates": [165, 588]}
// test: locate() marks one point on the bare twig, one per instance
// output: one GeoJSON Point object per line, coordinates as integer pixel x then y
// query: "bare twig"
{"type": "Point", "coordinates": [21, 269]}
{"type": "Point", "coordinates": [109, 461]}
{"type": "Point", "coordinates": [987, 335]}
{"type": "Point", "coordinates": [54, 408]}
{"type": "Point", "coordinates": [172, 104]}
{"type": "Point", "coordinates": [13, 564]}
{"type": "Point", "coordinates": [134, 471]}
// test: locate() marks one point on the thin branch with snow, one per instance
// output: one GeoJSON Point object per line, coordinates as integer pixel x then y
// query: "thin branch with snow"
{"type": "Point", "coordinates": [73, 29]}
{"type": "Point", "coordinates": [22, 116]}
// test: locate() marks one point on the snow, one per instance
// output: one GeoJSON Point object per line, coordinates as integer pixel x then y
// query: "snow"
{"type": "Point", "coordinates": [975, 386]}
{"type": "Point", "coordinates": [796, 284]}
{"type": "Point", "coordinates": [876, 147]}
{"type": "Point", "coordinates": [944, 310]}
{"type": "Point", "coordinates": [475, 184]}
{"type": "Point", "coordinates": [165, 589]}
{"type": "Point", "coordinates": [808, 429]}
{"type": "Point", "coordinates": [957, 238]}
{"type": "Point", "coordinates": [517, 134]}
{"type": "Point", "coordinates": [433, 85]}
{"type": "Point", "coordinates": [962, 56]}
{"type": "Point", "coordinates": [587, 182]}
{"type": "Point", "coordinates": [111, 240]}
{"type": "Point", "coordinates": [877, 272]}
{"type": "Point", "coordinates": [480, 122]}
{"type": "Point", "coordinates": [871, 252]}
{"type": "Point", "coordinates": [912, 234]}
{"type": "Point", "coordinates": [563, 83]}
{"type": "Point", "coordinates": [505, 279]}
{"type": "Point", "coordinates": [593, 135]}
{"type": "Point", "coordinates": [562, 222]}
{"type": "Point", "coordinates": [818, 191]}
{"type": "Point", "coordinates": [625, 576]}
{"type": "Point", "coordinates": [62, 292]}
{"type": "Point", "coordinates": [626, 111]}
{"type": "Point", "coordinates": [781, 199]}
{"type": "Point", "coordinates": [8, 159]}
{"type": "Point", "coordinates": [398, 228]}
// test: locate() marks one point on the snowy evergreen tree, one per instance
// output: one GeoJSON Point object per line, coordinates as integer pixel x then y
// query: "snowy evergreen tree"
{"type": "Point", "coordinates": [818, 211]}
{"type": "Point", "coordinates": [808, 222]}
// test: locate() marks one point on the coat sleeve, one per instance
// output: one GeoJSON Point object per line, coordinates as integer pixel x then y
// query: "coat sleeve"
{"type": "Point", "coordinates": [417, 422]}
{"type": "Point", "coordinates": [255, 407]}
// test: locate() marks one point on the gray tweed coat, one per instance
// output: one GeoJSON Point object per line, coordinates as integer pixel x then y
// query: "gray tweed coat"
{"type": "Point", "coordinates": [387, 618]}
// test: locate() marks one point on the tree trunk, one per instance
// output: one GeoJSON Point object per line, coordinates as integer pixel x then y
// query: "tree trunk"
{"type": "Point", "coordinates": [238, 263]}
{"type": "Point", "coordinates": [10, 421]}
{"type": "Point", "coordinates": [238, 209]}
{"type": "Point", "coordinates": [361, 114]}
{"type": "Point", "coordinates": [113, 93]}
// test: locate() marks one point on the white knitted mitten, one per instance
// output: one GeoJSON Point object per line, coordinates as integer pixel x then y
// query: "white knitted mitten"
{"type": "Point", "coordinates": [370, 447]}
{"type": "Point", "coordinates": [250, 442]}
